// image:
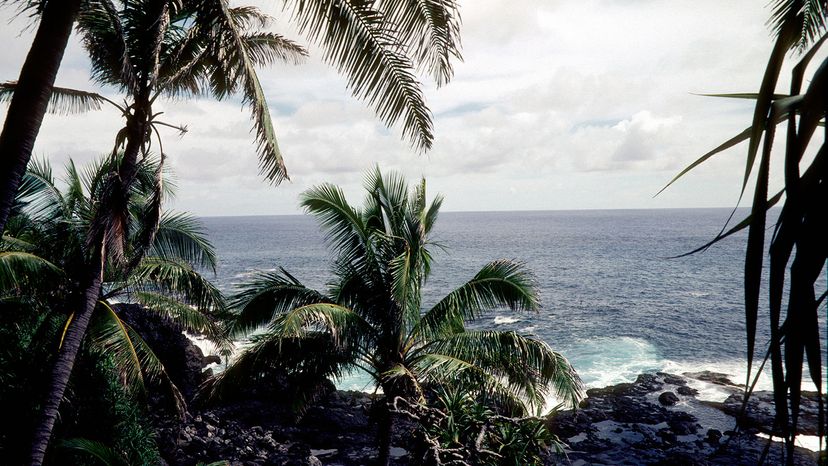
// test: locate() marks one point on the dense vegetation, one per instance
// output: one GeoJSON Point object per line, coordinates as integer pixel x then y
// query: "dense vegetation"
{"type": "Point", "coordinates": [182, 48]}
{"type": "Point", "coordinates": [71, 249]}
{"type": "Point", "coordinates": [41, 251]}
{"type": "Point", "coordinates": [373, 317]}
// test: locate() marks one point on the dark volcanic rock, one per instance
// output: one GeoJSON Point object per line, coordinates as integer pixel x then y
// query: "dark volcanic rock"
{"type": "Point", "coordinates": [337, 430]}
{"type": "Point", "coordinates": [668, 398]}
{"type": "Point", "coordinates": [627, 425]}
{"type": "Point", "coordinates": [183, 361]}
{"type": "Point", "coordinates": [760, 411]}
{"type": "Point", "coordinates": [716, 378]}
{"type": "Point", "coordinates": [687, 391]}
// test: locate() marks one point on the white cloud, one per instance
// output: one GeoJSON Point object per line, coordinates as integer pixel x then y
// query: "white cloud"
{"type": "Point", "coordinates": [557, 105]}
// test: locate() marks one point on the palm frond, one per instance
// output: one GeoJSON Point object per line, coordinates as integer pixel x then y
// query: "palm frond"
{"type": "Point", "coordinates": [361, 42]}
{"type": "Point", "coordinates": [265, 48]}
{"type": "Point", "coordinates": [267, 296]}
{"type": "Point", "coordinates": [191, 319]}
{"type": "Point", "coordinates": [431, 31]}
{"type": "Point", "coordinates": [499, 283]}
{"type": "Point", "coordinates": [344, 326]}
{"type": "Point", "coordinates": [63, 101]}
{"type": "Point", "coordinates": [449, 372]}
{"type": "Point", "coordinates": [103, 453]}
{"type": "Point", "coordinates": [343, 225]}
{"type": "Point", "coordinates": [526, 365]}
{"type": "Point", "coordinates": [307, 362]}
{"type": "Point", "coordinates": [236, 69]}
{"type": "Point", "coordinates": [10, 243]}
{"type": "Point", "coordinates": [179, 279]}
{"type": "Point", "coordinates": [181, 236]}
{"type": "Point", "coordinates": [17, 269]}
{"type": "Point", "coordinates": [113, 335]}
{"type": "Point", "coordinates": [106, 41]}
{"type": "Point", "coordinates": [38, 195]}
{"type": "Point", "coordinates": [132, 356]}
{"type": "Point", "coordinates": [807, 16]}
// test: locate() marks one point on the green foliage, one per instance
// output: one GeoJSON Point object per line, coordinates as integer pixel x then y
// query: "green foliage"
{"type": "Point", "coordinates": [457, 425]}
{"type": "Point", "coordinates": [798, 250]}
{"type": "Point", "coordinates": [372, 316]}
{"type": "Point", "coordinates": [38, 259]}
{"type": "Point", "coordinates": [97, 406]}
{"type": "Point", "coordinates": [104, 413]}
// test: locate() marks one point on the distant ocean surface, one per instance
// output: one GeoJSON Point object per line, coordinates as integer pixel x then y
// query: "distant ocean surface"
{"type": "Point", "coordinates": [614, 303]}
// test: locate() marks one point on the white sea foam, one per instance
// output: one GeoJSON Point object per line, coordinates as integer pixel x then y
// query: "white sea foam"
{"type": "Point", "coordinates": [207, 347]}
{"type": "Point", "coordinates": [808, 442]}
{"type": "Point", "coordinates": [357, 381]}
{"type": "Point", "coordinates": [502, 320]}
{"type": "Point", "coordinates": [601, 362]}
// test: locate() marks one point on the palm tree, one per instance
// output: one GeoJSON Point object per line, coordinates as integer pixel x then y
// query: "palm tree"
{"type": "Point", "coordinates": [27, 108]}
{"type": "Point", "coordinates": [46, 246]}
{"type": "Point", "coordinates": [371, 317]}
{"type": "Point", "coordinates": [395, 40]}
{"type": "Point", "coordinates": [148, 49]}
{"type": "Point", "coordinates": [799, 26]}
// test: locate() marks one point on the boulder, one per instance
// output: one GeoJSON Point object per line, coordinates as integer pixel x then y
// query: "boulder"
{"type": "Point", "coordinates": [183, 361]}
{"type": "Point", "coordinates": [668, 398]}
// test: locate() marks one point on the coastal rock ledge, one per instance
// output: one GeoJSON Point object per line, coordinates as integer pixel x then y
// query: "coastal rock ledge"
{"type": "Point", "coordinates": [660, 420]}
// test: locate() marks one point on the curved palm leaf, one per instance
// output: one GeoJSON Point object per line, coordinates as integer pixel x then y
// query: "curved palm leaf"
{"type": "Point", "coordinates": [361, 42]}
{"type": "Point", "coordinates": [178, 278]}
{"type": "Point", "coordinates": [307, 361]}
{"type": "Point", "coordinates": [181, 236]}
{"type": "Point", "coordinates": [103, 453]}
{"type": "Point", "coordinates": [269, 295]}
{"type": "Point", "coordinates": [343, 225]}
{"type": "Point", "coordinates": [191, 319]}
{"type": "Point", "coordinates": [236, 59]}
{"type": "Point", "coordinates": [526, 365]}
{"type": "Point", "coordinates": [19, 268]}
{"type": "Point", "coordinates": [808, 18]}
{"type": "Point", "coordinates": [431, 31]}
{"type": "Point", "coordinates": [499, 283]}
{"type": "Point", "coordinates": [343, 326]}
{"type": "Point", "coordinates": [63, 101]}
{"type": "Point", "coordinates": [132, 356]}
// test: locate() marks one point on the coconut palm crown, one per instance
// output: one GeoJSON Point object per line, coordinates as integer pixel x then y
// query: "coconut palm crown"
{"type": "Point", "coordinates": [372, 316]}
{"type": "Point", "coordinates": [43, 247]}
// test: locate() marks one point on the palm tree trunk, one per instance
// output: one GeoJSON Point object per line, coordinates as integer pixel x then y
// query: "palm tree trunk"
{"type": "Point", "coordinates": [136, 128]}
{"type": "Point", "coordinates": [31, 98]}
{"type": "Point", "coordinates": [66, 357]}
{"type": "Point", "coordinates": [384, 433]}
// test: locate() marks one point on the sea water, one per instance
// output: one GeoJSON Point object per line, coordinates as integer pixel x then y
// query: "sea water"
{"type": "Point", "coordinates": [614, 302]}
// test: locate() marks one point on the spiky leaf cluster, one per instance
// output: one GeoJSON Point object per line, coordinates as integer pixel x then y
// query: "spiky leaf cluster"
{"type": "Point", "coordinates": [372, 316]}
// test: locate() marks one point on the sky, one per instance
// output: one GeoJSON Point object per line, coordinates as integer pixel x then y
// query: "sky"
{"type": "Point", "coordinates": [556, 105]}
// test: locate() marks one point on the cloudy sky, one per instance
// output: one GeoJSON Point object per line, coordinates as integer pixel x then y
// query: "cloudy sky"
{"type": "Point", "coordinates": [557, 105]}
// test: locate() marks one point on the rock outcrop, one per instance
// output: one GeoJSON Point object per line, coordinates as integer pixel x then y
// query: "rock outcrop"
{"type": "Point", "coordinates": [338, 431]}
{"type": "Point", "coordinates": [658, 420]}
{"type": "Point", "coordinates": [183, 361]}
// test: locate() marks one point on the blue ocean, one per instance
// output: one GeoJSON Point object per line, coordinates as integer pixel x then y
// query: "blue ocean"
{"type": "Point", "coordinates": [614, 301]}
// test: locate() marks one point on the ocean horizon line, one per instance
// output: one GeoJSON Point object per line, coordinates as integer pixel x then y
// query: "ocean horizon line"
{"type": "Point", "coordinates": [642, 209]}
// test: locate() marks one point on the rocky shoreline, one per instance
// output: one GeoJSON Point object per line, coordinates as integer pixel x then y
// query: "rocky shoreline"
{"type": "Point", "coordinates": [660, 419]}
{"type": "Point", "coordinates": [656, 420]}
